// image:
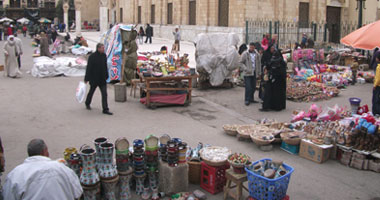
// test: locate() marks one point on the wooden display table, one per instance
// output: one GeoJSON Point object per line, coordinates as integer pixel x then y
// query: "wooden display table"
{"type": "Point", "coordinates": [167, 79]}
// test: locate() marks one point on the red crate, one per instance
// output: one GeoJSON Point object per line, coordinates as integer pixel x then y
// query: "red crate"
{"type": "Point", "coordinates": [285, 198]}
{"type": "Point", "coordinates": [213, 179]}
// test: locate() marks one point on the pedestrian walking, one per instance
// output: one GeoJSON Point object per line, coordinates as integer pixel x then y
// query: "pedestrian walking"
{"type": "Point", "coordinates": [177, 39]}
{"type": "Point", "coordinates": [44, 45]}
{"type": "Point", "coordinates": [19, 50]}
{"type": "Point", "coordinates": [97, 75]}
{"type": "Point", "coordinates": [250, 64]}
{"type": "Point", "coordinates": [10, 30]}
{"type": "Point", "coordinates": [376, 89]}
{"type": "Point", "coordinates": [10, 52]}
{"type": "Point", "coordinates": [24, 29]}
{"type": "Point", "coordinates": [149, 33]}
{"type": "Point", "coordinates": [354, 70]}
{"type": "Point", "coordinates": [141, 35]}
{"type": "Point", "coordinates": [40, 177]}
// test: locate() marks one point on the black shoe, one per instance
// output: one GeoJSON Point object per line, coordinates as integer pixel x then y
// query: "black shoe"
{"type": "Point", "coordinates": [253, 101]}
{"type": "Point", "coordinates": [107, 112]}
{"type": "Point", "coordinates": [264, 110]}
{"type": "Point", "coordinates": [88, 107]}
{"type": "Point", "coordinates": [247, 103]}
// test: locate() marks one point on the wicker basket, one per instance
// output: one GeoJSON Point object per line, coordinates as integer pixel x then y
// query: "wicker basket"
{"type": "Point", "coordinates": [260, 142]}
{"type": "Point", "coordinates": [194, 172]}
{"type": "Point", "coordinates": [214, 163]}
{"type": "Point", "coordinates": [246, 130]}
{"type": "Point", "coordinates": [230, 129]}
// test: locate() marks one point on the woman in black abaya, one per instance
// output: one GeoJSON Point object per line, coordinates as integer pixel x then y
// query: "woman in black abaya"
{"type": "Point", "coordinates": [275, 87]}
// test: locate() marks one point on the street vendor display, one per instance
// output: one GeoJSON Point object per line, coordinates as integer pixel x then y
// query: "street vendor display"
{"type": "Point", "coordinates": [167, 79]}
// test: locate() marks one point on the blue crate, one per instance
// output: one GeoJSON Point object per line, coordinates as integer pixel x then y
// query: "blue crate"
{"type": "Point", "coordinates": [292, 149]}
{"type": "Point", "coordinates": [268, 189]}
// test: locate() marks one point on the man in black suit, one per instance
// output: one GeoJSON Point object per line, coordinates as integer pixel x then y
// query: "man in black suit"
{"type": "Point", "coordinates": [149, 33]}
{"type": "Point", "coordinates": [97, 75]}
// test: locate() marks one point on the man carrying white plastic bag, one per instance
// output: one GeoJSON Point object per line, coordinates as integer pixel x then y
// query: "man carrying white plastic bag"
{"type": "Point", "coordinates": [97, 75]}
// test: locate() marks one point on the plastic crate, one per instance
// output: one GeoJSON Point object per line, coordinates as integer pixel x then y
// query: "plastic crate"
{"type": "Point", "coordinates": [213, 179]}
{"type": "Point", "coordinates": [268, 189]}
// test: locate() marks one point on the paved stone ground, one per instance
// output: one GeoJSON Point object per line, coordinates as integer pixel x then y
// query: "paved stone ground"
{"type": "Point", "coordinates": [46, 108]}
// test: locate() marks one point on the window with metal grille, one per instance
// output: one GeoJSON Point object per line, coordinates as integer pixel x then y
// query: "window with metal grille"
{"type": "Point", "coordinates": [139, 14]}
{"type": "Point", "coordinates": [170, 13]}
{"type": "Point", "coordinates": [192, 12]}
{"type": "Point", "coordinates": [153, 14]}
{"type": "Point", "coordinates": [303, 15]}
{"type": "Point", "coordinates": [223, 12]}
{"type": "Point", "coordinates": [121, 14]}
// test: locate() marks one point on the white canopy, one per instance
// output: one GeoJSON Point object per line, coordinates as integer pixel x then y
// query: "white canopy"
{"type": "Point", "coordinates": [5, 19]}
{"type": "Point", "coordinates": [23, 20]}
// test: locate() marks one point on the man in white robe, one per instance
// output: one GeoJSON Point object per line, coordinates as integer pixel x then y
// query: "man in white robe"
{"type": "Point", "coordinates": [10, 52]}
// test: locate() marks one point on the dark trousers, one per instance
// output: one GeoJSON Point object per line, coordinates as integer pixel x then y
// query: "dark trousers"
{"type": "Point", "coordinates": [103, 90]}
{"type": "Point", "coordinates": [19, 61]}
{"type": "Point", "coordinates": [376, 101]}
{"type": "Point", "coordinates": [250, 87]}
{"type": "Point", "coordinates": [148, 38]}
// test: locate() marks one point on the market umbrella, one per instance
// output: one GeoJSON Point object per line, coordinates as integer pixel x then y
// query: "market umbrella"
{"type": "Point", "coordinates": [5, 19]}
{"type": "Point", "coordinates": [44, 20]}
{"type": "Point", "coordinates": [366, 37]}
{"type": "Point", "coordinates": [23, 20]}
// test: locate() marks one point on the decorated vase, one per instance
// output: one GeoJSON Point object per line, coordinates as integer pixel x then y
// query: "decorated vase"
{"type": "Point", "coordinates": [89, 176]}
{"type": "Point", "coordinates": [97, 142]}
{"type": "Point", "coordinates": [107, 169]}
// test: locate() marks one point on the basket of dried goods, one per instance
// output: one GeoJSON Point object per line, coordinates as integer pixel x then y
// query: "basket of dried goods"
{"type": "Point", "coordinates": [231, 129]}
{"type": "Point", "coordinates": [262, 136]}
{"type": "Point", "coordinates": [245, 130]}
{"type": "Point", "coordinates": [214, 155]}
{"type": "Point", "coordinates": [293, 138]}
{"type": "Point", "coordinates": [239, 161]}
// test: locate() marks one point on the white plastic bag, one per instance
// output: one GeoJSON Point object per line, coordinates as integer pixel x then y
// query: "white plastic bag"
{"type": "Point", "coordinates": [81, 91]}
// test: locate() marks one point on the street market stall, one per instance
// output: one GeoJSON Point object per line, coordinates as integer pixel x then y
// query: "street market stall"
{"type": "Point", "coordinates": [350, 136]}
{"type": "Point", "coordinates": [166, 78]}
{"type": "Point", "coordinates": [160, 167]}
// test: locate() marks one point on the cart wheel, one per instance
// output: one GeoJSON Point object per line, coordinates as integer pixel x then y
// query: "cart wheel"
{"type": "Point", "coordinates": [186, 104]}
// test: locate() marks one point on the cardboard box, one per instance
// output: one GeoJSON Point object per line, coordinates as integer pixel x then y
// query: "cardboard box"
{"type": "Point", "coordinates": [1, 68]}
{"type": "Point", "coordinates": [292, 149]}
{"type": "Point", "coordinates": [314, 152]}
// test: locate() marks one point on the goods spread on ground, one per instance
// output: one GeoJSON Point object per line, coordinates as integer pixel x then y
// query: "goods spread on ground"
{"type": "Point", "coordinates": [350, 135]}
{"type": "Point", "coordinates": [66, 66]}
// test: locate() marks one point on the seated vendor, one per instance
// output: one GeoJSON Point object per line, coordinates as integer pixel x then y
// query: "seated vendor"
{"type": "Point", "coordinates": [80, 40]}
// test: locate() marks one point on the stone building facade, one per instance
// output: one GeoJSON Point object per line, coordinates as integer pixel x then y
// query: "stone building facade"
{"type": "Point", "coordinates": [197, 16]}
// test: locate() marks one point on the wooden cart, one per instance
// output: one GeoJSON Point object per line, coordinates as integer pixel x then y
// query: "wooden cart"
{"type": "Point", "coordinates": [167, 79]}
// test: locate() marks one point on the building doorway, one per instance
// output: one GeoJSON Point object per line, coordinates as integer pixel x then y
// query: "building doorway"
{"type": "Point", "coordinates": [333, 17]}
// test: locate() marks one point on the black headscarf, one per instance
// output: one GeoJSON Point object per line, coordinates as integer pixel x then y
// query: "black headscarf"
{"type": "Point", "coordinates": [267, 56]}
{"type": "Point", "coordinates": [242, 48]}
